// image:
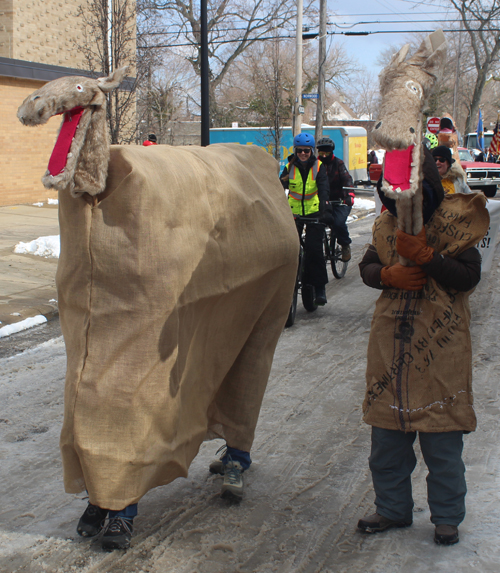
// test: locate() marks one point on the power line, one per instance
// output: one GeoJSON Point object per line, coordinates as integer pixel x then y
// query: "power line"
{"type": "Point", "coordinates": [337, 33]}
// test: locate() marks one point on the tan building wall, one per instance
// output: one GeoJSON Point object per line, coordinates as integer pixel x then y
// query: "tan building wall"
{"type": "Point", "coordinates": [24, 151]}
{"type": "Point", "coordinates": [41, 31]}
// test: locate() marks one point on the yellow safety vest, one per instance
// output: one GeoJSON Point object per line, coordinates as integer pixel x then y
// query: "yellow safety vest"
{"type": "Point", "coordinates": [303, 201]}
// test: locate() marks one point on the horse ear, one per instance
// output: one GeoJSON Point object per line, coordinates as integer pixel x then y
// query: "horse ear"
{"type": "Point", "coordinates": [400, 56]}
{"type": "Point", "coordinates": [431, 54]}
{"type": "Point", "coordinates": [113, 80]}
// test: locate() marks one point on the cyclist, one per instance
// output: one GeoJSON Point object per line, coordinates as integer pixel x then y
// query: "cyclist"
{"type": "Point", "coordinates": [341, 199]}
{"type": "Point", "coordinates": [306, 179]}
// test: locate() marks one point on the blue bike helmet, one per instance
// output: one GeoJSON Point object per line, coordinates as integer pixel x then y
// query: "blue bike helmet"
{"type": "Point", "coordinates": [304, 139]}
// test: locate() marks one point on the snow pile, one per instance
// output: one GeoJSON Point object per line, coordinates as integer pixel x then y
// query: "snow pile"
{"type": "Point", "coordinates": [22, 325]}
{"type": "Point", "coordinates": [363, 203]}
{"type": "Point", "coordinates": [42, 247]}
{"type": "Point", "coordinates": [49, 202]}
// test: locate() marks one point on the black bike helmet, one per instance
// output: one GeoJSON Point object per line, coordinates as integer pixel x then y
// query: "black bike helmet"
{"type": "Point", "coordinates": [325, 144]}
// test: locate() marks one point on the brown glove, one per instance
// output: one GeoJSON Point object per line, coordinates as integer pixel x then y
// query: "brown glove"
{"type": "Point", "coordinates": [406, 278]}
{"type": "Point", "coordinates": [414, 247]}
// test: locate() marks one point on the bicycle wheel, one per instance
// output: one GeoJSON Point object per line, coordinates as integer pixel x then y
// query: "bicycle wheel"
{"type": "Point", "coordinates": [326, 246]}
{"type": "Point", "coordinates": [293, 308]}
{"type": "Point", "coordinates": [339, 267]}
{"type": "Point", "coordinates": [308, 298]}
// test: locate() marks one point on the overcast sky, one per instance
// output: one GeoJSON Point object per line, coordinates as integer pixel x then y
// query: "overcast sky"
{"type": "Point", "coordinates": [367, 48]}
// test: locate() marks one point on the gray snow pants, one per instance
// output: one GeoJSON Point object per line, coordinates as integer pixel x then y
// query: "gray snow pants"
{"type": "Point", "coordinates": [392, 461]}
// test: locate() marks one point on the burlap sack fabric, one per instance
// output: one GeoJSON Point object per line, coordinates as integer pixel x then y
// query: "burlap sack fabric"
{"type": "Point", "coordinates": [419, 372]}
{"type": "Point", "coordinates": [173, 292]}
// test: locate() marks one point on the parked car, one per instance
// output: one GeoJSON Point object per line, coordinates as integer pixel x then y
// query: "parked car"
{"type": "Point", "coordinates": [481, 176]}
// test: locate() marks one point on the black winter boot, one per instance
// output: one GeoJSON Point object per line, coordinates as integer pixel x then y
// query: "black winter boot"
{"type": "Point", "coordinates": [118, 533]}
{"type": "Point", "coordinates": [375, 523]}
{"type": "Point", "coordinates": [320, 295]}
{"type": "Point", "coordinates": [446, 534]}
{"type": "Point", "coordinates": [92, 521]}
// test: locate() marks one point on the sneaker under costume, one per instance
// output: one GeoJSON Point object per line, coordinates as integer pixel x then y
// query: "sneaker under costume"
{"type": "Point", "coordinates": [170, 326]}
{"type": "Point", "coordinates": [419, 367]}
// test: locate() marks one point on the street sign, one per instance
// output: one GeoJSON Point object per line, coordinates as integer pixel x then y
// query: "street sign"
{"type": "Point", "coordinates": [433, 124]}
{"type": "Point", "coordinates": [301, 109]}
{"type": "Point", "coordinates": [310, 96]}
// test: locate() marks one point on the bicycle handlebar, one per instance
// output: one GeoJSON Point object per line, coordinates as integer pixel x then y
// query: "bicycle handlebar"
{"type": "Point", "coordinates": [308, 220]}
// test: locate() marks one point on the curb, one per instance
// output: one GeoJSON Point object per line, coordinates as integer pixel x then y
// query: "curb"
{"type": "Point", "coordinates": [49, 311]}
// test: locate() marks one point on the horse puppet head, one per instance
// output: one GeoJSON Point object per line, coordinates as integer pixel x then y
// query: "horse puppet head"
{"type": "Point", "coordinates": [79, 160]}
{"type": "Point", "coordinates": [405, 86]}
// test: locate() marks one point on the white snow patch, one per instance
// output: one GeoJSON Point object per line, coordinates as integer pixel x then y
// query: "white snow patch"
{"type": "Point", "coordinates": [364, 203]}
{"type": "Point", "coordinates": [22, 325]}
{"type": "Point", "coordinates": [42, 247]}
{"type": "Point", "coordinates": [40, 204]}
{"type": "Point", "coordinates": [53, 201]}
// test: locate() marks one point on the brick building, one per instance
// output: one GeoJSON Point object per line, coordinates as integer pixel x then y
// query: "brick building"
{"type": "Point", "coordinates": [37, 39]}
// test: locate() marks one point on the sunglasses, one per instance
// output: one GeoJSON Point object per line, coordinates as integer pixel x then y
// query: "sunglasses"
{"type": "Point", "coordinates": [440, 159]}
{"type": "Point", "coordinates": [307, 150]}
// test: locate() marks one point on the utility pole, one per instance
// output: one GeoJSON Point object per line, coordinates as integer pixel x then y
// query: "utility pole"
{"type": "Point", "coordinates": [321, 70]}
{"type": "Point", "coordinates": [205, 101]}
{"type": "Point", "coordinates": [457, 74]}
{"type": "Point", "coordinates": [297, 121]}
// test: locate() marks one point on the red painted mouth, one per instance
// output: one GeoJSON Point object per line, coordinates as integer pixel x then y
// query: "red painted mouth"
{"type": "Point", "coordinates": [397, 168]}
{"type": "Point", "coordinates": [59, 157]}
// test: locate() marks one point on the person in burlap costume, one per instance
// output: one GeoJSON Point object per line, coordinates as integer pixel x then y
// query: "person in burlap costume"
{"type": "Point", "coordinates": [419, 354]}
{"type": "Point", "coordinates": [175, 280]}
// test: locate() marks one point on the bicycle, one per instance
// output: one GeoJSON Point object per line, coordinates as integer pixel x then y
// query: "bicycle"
{"type": "Point", "coordinates": [333, 254]}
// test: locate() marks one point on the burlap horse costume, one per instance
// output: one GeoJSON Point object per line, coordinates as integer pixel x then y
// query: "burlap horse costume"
{"type": "Point", "coordinates": [419, 374]}
{"type": "Point", "coordinates": [175, 279]}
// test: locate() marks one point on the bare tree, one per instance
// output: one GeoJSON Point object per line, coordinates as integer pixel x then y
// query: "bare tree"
{"type": "Point", "coordinates": [363, 94]}
{"type": "Point", "coordinates": [481, 19]}
{"type": "Point", "coordinates": [270, 88]}
{"type": "Point", "coordinates": [108, 29]}
{"type": "Point", "coordinates": [233, 26]}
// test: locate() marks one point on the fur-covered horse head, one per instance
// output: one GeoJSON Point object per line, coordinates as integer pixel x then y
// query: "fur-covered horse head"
{"type": "Point", "coordinates": [405, 86]}
{"type": "Point", "coordinates": [79, 161]}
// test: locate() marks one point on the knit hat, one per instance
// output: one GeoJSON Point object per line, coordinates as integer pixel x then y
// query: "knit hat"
{"type": "Point", "coordinates": [444, 152]}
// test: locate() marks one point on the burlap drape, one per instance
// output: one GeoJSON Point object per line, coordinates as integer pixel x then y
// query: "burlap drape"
{"type": "Point", "coordinates": [173, 291]}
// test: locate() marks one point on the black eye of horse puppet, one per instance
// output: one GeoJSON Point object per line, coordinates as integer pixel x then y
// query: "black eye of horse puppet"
{"type": "Point", "coordinates": [175, 279]}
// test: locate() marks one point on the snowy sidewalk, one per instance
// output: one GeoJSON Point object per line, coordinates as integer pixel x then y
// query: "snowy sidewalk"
{"type": "Point", "coordinates": [27, 282]}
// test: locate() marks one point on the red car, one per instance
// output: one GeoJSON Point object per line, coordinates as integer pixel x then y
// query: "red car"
{"type": "Point", "coordinates": [481, 176]}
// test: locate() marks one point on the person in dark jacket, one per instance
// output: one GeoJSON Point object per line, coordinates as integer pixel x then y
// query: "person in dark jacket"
{"type": "Point", "coordinates": [419, 355]}
{"type": "Point", "coordinates": [306, 179]}
{"type": "Point", "coordinates": [341, 195]}
{"type": "Point", "coordinates": [151, 140]}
